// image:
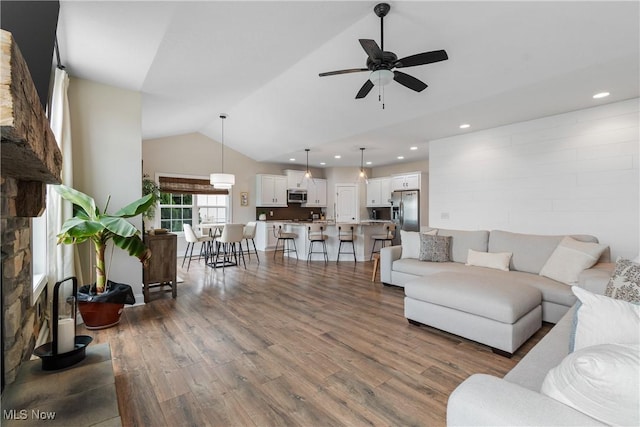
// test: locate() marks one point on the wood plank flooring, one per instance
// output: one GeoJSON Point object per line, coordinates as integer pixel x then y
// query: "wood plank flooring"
{"type": "Point", "coordinates": [287, 343]}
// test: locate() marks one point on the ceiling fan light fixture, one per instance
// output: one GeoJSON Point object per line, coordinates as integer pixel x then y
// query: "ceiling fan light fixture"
{"type": "Point", "coordinates": [381, 77]}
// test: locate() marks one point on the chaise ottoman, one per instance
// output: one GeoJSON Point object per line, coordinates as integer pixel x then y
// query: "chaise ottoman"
{"type": "Point", "coordinates": [484, 307]}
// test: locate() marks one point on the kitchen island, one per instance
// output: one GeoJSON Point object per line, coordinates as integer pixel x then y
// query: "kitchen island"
{"type": "Point", "coordinates": [266, 241]}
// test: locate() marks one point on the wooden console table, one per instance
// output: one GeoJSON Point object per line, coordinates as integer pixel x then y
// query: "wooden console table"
{"type": "Point", "coordinates": [161, 269]}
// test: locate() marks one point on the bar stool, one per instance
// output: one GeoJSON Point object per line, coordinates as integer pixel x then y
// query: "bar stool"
{"type": "Point", "coordinates": [315, 233]}
{"type": "Point", "coordinates": [250, 234]}
{"type": "Point", "coordinates": [346, 235]}
{"type": "Point", "coordinates": [284, 238]}
{"type": "Point", "coordinates": [383, 238]}
{"type": "Point", "coordinates": [191, 238]}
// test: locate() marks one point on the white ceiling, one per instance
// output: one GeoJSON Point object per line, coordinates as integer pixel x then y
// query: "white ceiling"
{"type": "Point", "coordinates": [259, 62]}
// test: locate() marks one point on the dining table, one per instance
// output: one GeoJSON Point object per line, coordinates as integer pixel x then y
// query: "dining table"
{"type": "Point", "coordinates": [214, 229]}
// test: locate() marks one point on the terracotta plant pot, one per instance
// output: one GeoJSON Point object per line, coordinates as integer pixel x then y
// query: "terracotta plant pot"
{"type": "Point", "coordinates": [100, 315]}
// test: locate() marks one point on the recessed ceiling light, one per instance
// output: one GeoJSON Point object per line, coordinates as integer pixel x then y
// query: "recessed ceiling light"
{"type": "Point", "coordinates": [400, 157]}
{"type": "Point", "coordinates": [601, 95]}
{"type": "Point", "coordinates": [337, 156]}
{"type": "Point", "coordinates": [368, 163]}
{"type": "Point", "coordinates": [322, 163]}
{"type": "Point", "coordinates": [292, 159]}
{"type": "Point", "coordinates": [465, 126]}
{"type": "Point", "coordinates": [413, 148]}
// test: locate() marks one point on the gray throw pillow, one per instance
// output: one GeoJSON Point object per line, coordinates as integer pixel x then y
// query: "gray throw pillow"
{"type": "Point", "coordinates": [435, 248]}
{"type": "Point", "coordinates": [624, 284]}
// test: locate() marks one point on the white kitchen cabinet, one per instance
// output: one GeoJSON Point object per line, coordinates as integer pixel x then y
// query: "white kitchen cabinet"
{"type": "Point", "coordinates": [295, 180]}
{"type": "Point", "coordinates": [271, 190]}
{"type": "Point", "coordinates": [317, 193]}
{"type": "Point", "coordinates": [379, 192]}
{"type": "Point", "coordinates": [406, 182]}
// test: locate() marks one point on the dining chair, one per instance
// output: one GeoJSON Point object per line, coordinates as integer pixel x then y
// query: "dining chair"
{"type": "Point", "coordinates": [230, 246]}
{"type": "Point", "coordinates": [192, 238]}
{"type": "Point", "coordinates": [249, 233]}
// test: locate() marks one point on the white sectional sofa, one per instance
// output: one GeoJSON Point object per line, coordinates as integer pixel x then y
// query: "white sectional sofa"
{"type": "Point", "coordinates": [522, 398]}
{"type": "Point", "coordinates": [498, 308]}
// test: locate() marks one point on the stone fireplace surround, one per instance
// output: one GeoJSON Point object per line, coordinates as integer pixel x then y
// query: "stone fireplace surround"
{"type": "Point", "coordinates": [30, 160]}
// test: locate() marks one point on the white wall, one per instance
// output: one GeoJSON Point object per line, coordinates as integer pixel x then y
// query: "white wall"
{"type": "Point", "coordinates": [566, 174]}
{"type": "Point", "coordinates": [107, 148]}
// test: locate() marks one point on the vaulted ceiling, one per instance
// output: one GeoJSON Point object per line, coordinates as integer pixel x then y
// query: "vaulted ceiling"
{"type": "Point", "coordinates": [259, 62]}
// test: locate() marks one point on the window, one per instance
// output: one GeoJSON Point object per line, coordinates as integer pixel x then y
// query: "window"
{"type": "Point", "coordinates": [175, 210]}
{"type": "Point", "coordinates": [191, 201]}
{"type": "Point", "coordinates": [38, 255]}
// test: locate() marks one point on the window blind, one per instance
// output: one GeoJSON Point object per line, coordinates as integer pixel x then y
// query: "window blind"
{"type": "Point", "coordinates": [174, 185]}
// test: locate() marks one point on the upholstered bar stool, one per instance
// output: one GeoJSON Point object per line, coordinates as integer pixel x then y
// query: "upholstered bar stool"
{"type": "Point", "coordinates": [383, 239]}
{"type": "Point", "coordinates": [346, 236]}
{"type": "Point", "coordinates": [192, 238]}
{"type": "Point", "coordinates": [315, 233]}
{"type": "Point", "coordinates": [250, 234]}
{"type": "Point", "coordinates": [284, 238]}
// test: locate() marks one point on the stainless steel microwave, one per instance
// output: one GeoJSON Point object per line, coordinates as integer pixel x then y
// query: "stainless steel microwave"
{"type": "Point", "coordinates": [297, 196]}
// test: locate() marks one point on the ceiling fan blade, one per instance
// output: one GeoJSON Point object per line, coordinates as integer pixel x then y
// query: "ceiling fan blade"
{"type": "Point", "coordinates": [422, 59]}
{"type": "Point", "coordinates": [372, 49]}
{"type": "Point", "coordinates": [409, 81]}
{"type": "Point", "coordinates": [350, 70]}
{"type": "Point", "coordinates": [365, 89]}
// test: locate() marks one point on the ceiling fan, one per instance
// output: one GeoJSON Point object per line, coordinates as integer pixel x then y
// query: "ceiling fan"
{"type": "Point", "coordinates": [383, 64]}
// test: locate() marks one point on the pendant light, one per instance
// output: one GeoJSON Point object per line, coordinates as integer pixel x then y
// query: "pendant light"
{"type": "Point", "coordinates": [222, 180]}
{"type": "Point", "coordinates": [307, 173]}
{"type": "Point", "coordinates": [363, 175]}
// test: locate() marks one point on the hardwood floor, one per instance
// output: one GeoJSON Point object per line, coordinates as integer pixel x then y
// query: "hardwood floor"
{"type": "Point", "coordinates": [287, 343]}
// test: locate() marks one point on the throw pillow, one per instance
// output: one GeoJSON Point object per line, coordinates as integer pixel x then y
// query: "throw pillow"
{"type": "Point", "coordinates": [569, 259]}
{"type": "Point", "coordinates": [410, 241]}
{"type": "Point", "coordinates": [497, 260]}
{"type": "Point", "coordinates": [603, 320]}
{"type": "Point", "coordinates": [624, 284]}
{"type": "Point", "coordinates": [601, 381]}
{"type": "Point", "coordinates": [435, 248]}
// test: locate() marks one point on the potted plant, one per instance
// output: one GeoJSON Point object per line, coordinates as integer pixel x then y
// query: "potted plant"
{"type": "Point", "coordinates": [149, 186]}
{"type": "Point", "coordinates": [102, 302]}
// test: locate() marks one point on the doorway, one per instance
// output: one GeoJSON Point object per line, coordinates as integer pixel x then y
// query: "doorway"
{"type": "Point", "coordinates": [347, 201]}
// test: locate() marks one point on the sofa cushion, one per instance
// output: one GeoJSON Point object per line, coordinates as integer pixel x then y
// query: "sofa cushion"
{"type": "Point", "coordinates": [552, 291]}
{"type": "Point", "coordinates": [530, 251]}
{"type": "Point", "coordinates": [421, 268]}
{"type": "Point", "coordinates": [602, 381]}
{"type": "Point", "coordinates": [410, 242]}
{"type": "Point", "coordinates": [435, 248]}
{"type": "Point", "coordinates": [462, 241]}
{"type": "Point", "coordinates": [480, 293]}
{"type": "Point", "coordinates": [603, 320]}
{"type": "Point", "coordinates": [624, 283]}
{"type": "Point", "coordinates": [570, 258]}
{"type": "Point", "coordinates": [497, 260]}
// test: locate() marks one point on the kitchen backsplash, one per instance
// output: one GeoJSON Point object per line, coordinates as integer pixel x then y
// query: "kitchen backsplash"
{"type": "Point", "coordinates": [292, 212]}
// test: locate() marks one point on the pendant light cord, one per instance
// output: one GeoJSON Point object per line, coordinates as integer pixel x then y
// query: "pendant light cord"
{"type": "Point", "coordinates": [222, 116]}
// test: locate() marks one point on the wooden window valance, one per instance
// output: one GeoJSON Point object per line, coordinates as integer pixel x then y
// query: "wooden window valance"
{"type": "Point", "coordinates": [188, 186]}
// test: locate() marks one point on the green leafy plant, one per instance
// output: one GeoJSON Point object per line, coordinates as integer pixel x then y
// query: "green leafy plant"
{"type": "Point", "coordinates": [149, 186]}
{"type": "Point", "coordinates": [88, 223]}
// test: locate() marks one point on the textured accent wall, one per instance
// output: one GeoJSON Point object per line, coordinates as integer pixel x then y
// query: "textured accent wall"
{"type": "Point", "coordinates": [570, 173]}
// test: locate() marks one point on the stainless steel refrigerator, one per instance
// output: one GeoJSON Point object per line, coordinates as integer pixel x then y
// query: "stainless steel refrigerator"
{"type": "Point", "coordinates": [405, 212]}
